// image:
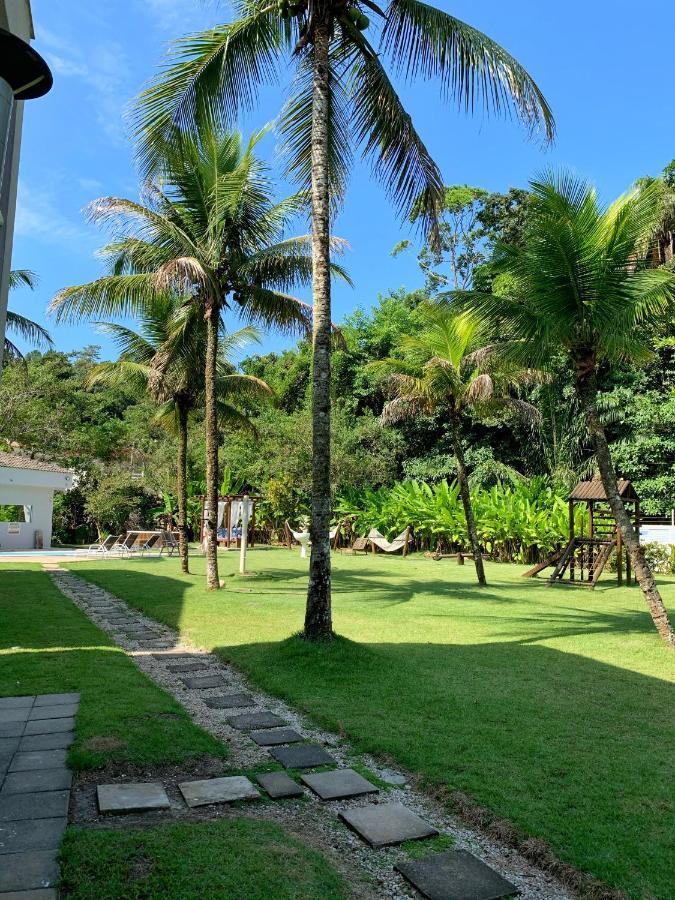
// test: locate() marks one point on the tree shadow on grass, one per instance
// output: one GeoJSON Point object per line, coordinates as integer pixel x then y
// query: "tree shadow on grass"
{"type": "Point", "coordinates": [574, 751]}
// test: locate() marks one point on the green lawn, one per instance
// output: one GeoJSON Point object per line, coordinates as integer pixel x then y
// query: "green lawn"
{"type": "Point", "coordinates": [552, 706]}
{"type": "Point", "coordinates": [232, 858]}
{"type": "Point", "coordinates": [48, 646]}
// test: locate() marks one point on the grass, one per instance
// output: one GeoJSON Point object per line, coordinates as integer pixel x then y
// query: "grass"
{"type": "Point", "coordinates": [551, 706]}
{"type": "Point", "coordinates": [232, 858]}
{"type": "Point", "coordinates": [48, 646]}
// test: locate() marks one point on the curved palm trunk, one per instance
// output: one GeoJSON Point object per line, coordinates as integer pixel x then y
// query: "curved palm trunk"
{"type": "Point", "coordinates": [181, 487]}
{"type": "Point", "coordinates": [466, 502]}
{"type": "Point", "coordinates": [211, 425]}
{"type": "Point", "coordinates": [318, 621]}
{"type": "Point", "coordinates": [587, 391]}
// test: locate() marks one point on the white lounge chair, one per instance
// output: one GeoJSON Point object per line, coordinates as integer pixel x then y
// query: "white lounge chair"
{"type": "Point", "coordinates": [380, 542]}
{"type": "Point", "coordinates": [169, 543]}
{"type": "Point", "coordinates": [104, 547]}
{"type": "Point", "coordinates": [125, 545]}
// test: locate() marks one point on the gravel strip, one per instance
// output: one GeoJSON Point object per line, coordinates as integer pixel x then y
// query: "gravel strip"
{"type": "Point", "coordinates": [310, 817]}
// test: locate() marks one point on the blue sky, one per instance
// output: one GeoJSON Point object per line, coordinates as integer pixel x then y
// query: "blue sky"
{"type": "Point", "coordinates": [601, 66]}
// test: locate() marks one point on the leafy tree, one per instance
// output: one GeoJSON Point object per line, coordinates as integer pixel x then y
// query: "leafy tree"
{"type": "Point", "coordinates": [575, 285]}
{"type": "Point", "coordinates": [445, 368]}
{"type": "Point", "coordinates": [341, 92]}
{"type": "Point", "coordinates": [118, 502]}
{"type": "Point", "coordinates": [210, 230]}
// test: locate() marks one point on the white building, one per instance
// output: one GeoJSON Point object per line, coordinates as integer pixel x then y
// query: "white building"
{"type": "Point", "coordinates": [29, 483]}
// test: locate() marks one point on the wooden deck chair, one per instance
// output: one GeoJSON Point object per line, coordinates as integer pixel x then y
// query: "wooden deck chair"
{"type": "Point", "coordinates": [379, 542]}
{"type": "Point", "coordinates": [360, 545]}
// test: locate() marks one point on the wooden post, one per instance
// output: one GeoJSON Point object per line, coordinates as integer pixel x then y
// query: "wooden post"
{"type": "Point", "coordinates": [571, 508]}
{"type": "Point", "coordinates": [252, 541]}
{"type": "Point", "coordinates": [244, 536]}
{"type": "Point", "coordinates": [407, 538]}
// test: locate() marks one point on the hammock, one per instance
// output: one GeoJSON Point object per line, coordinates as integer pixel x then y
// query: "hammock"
{"type": "Point", "coordinates": [332, 534]}
{"type": "Point", "coordinates": [399, 543]}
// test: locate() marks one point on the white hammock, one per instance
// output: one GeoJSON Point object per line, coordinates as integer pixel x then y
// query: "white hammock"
{"type": "Point", "coordinates": [297, 535]}
{"type": "Point", "coordinates": [388, 546]}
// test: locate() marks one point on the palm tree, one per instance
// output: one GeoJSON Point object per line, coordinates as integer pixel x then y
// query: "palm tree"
{"type": "Point", "coordinates": [577, 285]}
{"type": "Point", "coordinates": [341, 96]}
{"type": "Point", "coordinates": [208, 229]}
{"type": "Point", "coordinates": [166, 358]}
{"type": "Point", "coordinates": [26, 329]}
{"type": "Point", "coordinates": [446, 368]}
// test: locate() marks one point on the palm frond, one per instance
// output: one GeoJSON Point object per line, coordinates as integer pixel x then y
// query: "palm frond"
{"type": "Point", "coordinates": [29, 331]}
{"type": "Point", "coordinates": [114, 295]}
{"type": "Point", "coordinates": [424, 41]}
{"type": "Point", "coordinates": [22, 277]}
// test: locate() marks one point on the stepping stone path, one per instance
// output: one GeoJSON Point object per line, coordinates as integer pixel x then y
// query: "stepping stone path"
{"type": "Point", "coordinates": [341, 784]}
{"type": "Point", "coordinates": [126, 798]}
{"type": "Point", "coordinates": [272, 737]}
{"type": "Point", "coordinates": [279, 785]}
{"type": "Point", "coordinates": [34, 791]}
{"type": "Point", "coordinates": [453, 875]}
{"type": "Point", "coordinates": [303, 756]}
{"type": "Point", "coordinates": [229, 701]}
{"type": "Point", "coordinates": [387, 824]}
{"type": "Point", "coordinates": [218, 790]}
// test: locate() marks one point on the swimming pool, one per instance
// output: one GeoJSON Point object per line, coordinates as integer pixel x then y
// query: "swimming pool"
{"type": "Point", "coordinates": [15, 554]}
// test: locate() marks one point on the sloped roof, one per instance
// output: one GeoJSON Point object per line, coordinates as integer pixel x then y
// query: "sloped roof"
{"type": "Point", "coordinates": [18, 461]}
{"type": "Point", "coordinates": [594, 490]}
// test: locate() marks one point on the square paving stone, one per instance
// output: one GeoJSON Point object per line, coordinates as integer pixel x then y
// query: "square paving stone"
{"type": "Point", "coordinates": [25, 871]}
{"type": "Point", "coordinates": [38, 780]}
{"type": "Point", "coordinates": [339, 784]}
{"type": "Point", "coordinates": [455, 875]}
{"type": "Point", "coordinates": [49, 726]}
{"type": "Point", "coordinates": [201, 684]}
{"type": "Point", "coordinates": [43, 834]}
{"type": "Point", "coordinates": [56, 699]}
{"type": "Point", "coordinates": [14, 702]}
{"type": "Point", "coordinates": [15, 714]}
{"type": "Point", "coordinates": [187, 667]}
{"type": "Point", "coordinates": [229, 701]}
{"type": "Point", "coordinates": [262, 719]}
{"type": "Point", "coordinates": [47, 741]}
{"type": "Point", "coordinates": [125, 798]}
{"type": "Point", "coordinates": [11, 729]}
{"type": "Point", "coordinates": [8, 745]}
{"type": "Point", "coordinates": [279, 785]}
{"type": "Point", "coordinates": [175, 657]}
{"type": "Point", "coordinates": [218, 790]}
{"type": "Point", "coordinates": [272, 737]}
{"type": "Point", "coordinates": [38, 759]}
{"type": "Point", "coordinates": [46, 805]}
{"type": "Point", "coordinates": [61, 711]}
{"type": "Point", "coordinates": [387, 823]}
{"type": "Point", "coordinates": [303, 756]}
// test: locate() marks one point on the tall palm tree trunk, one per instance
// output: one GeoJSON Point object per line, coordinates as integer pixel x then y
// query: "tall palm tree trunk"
{"type": "Point", "coordinates": [211, 425]}
{"type": "Point", "coordinates": [587, 392]}
{"type": "Point", "coordinates": [465, 494]}
{"type": "Point", "coordinates": [181, 486]}
{"type": "Point", "coordinates": [318, 621]}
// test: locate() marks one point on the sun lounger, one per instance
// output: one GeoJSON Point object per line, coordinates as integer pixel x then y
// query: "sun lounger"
{"type": "Point", "coordinates": [104, 547]}
{"type": "Point", "coordinates": [168, 543]}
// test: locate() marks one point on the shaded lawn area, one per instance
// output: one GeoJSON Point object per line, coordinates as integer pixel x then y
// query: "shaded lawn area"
{"type": "Point", "coordinates": [48, 646]}
{"type": "Point", "coordinates": [553, 706]}
{"type": "Point", "coordinates": [232, 858]}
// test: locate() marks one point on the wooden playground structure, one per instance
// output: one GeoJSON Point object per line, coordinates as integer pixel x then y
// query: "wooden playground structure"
{"type": "Point", "coordinates": [228, 517]}
{"type": "Point", "coordinates": [584, 557]}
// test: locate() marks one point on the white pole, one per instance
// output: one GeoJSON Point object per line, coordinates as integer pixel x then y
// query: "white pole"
{"type": "Point", "coordinates": [244, 536]}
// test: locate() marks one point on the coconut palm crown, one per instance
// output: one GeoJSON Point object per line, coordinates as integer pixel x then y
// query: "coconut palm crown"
{"type": "Point", "coordinates": [165, 358]}
{"type": "Point", "coordinates": [446, 367]}
{"type": "Point", "coordinates": [579, 284]}
{"type": "Point", "coordinates": [29, 331]}
{"type": "Point", "coordinates": [208, 229]}
{"type": "Point", "coordinates": [341, 99]}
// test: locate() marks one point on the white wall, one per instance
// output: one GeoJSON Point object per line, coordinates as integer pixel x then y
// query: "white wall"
{"type": "Point", "coordinates": [30, 487]}
{"type": "Point", "coordinates": [41, 499]}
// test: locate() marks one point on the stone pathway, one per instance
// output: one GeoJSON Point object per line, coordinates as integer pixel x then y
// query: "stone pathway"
{"type": "Point", "coordinates": [259, 728]}
{"type": "Point", "coordinates": [35, 733]}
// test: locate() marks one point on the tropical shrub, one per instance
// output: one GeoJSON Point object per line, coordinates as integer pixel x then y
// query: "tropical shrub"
{"type": "Point", "coordinates": [520, 522]}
